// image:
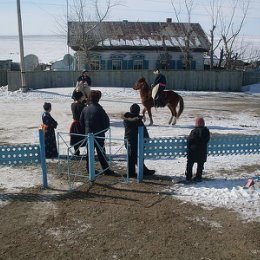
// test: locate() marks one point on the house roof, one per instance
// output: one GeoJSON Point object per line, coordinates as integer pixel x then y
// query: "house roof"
{"type": "Point", "coordinates": [138, 35]}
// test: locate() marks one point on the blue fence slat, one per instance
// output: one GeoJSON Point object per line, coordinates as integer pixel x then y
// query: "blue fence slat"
{"type": "Point", "coordinates": [218, 146]}
{"type": "Point", "coordinates": [19, 154]}
{"type": "Point", "coordinates": [170, 147]}
{"type": "Point", "coordinates": [26, 155]}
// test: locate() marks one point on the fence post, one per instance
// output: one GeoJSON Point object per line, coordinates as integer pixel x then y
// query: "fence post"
{"type": "Point", "coordinates": [140, 154]}
{"type": "Point", "coordinates": [43, 159]}
{"type": "Point", "coordinates": [91, 157]}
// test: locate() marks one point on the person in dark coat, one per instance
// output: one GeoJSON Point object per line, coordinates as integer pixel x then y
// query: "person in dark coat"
{"type": "Point", "coordinates": [83, 85]}
{"type": "Point", "coordinates": [76, 108]}
{"type": "Point", "coordinates": [84, 78]}
{"type": "Point", "coordinates": [197, 142]}
{"type": "Point", "coordinates": [94, 119]}
{"type": "Point", "coordinates": [158, 95]}
{"type": "Point", "coordinates": [49, 124]}
{"type": "Point", "coordinates": [132, 120]}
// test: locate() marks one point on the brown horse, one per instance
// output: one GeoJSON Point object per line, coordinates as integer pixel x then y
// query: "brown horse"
{"type": "Point", "coordinates": [172, 99]}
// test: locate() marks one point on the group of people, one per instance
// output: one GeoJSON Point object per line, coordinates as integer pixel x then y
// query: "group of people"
{"type": "Point", "coordinates": [90, 117]}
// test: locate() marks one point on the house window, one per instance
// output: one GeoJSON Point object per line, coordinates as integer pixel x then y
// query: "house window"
{"type": "Point", "coordinates": [116, 64]}
{"type": "Point", "coordinates": [138, 64]}
{"type": "Point", "coordinates": [95, 65]}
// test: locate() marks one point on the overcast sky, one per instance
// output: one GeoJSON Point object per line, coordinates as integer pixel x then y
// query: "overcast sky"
{"type": "Point", "coordinates": [42, 16]}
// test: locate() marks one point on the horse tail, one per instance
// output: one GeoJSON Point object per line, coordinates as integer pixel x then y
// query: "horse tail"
{"type": "Point", "coordinates": [181, 106]}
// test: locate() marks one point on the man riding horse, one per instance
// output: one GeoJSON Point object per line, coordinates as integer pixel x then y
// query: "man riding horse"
{"type": "Point", "coordinates": [158, 87]}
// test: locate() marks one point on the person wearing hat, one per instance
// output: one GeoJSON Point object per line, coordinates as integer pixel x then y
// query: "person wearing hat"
{"type": "Point", "coordinates": [197, 143]}
{"type": "Point", "coordinates": [94, 119]}
{"type": "Point", "coordinates": [132, 120]}
{"type": "Point", "coordinates": [75, 128]}
{"type": "Point", "coordinates": [158, 87]}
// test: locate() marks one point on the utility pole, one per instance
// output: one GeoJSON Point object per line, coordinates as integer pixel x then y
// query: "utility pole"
{"type": "Point", "coordinates": [23, 87]}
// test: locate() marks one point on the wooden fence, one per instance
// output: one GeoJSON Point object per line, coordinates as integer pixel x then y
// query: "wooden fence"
{"type": "Point", "coordinates": [3, 78]}
{"type": "Point", "coordinates": [176, 79]}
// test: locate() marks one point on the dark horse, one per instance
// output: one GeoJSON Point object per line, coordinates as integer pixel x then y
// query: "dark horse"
{"type": "Point", "coordinates": [172, 99]}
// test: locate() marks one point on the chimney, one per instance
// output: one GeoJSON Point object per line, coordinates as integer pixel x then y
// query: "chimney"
{"type": "Point", "coordinates": [168, 20]}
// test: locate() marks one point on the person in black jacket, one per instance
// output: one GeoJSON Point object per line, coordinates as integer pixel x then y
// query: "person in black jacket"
{"type": "Point", "coordinates": [197, 142]}
{"type": "Point", "coordinates": [75, 128]}
{"type": "Point", "coordinates": [83, 85]}
{"type": "Point", "coordinates": [84, 78]}
{"type": "Point", "coordinates": [132, 120]}
{"type": "Point", "coordinates": [94, 119]}
{"type": "Point", "coordinates": [49, 125]}
{"type": "Point", "coordinates": [157, 93]}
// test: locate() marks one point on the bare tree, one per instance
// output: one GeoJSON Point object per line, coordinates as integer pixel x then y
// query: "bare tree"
{"type": "Point", "coordinates": [245, 54]}
{"type": "Point", "coordinates": [186, 30]}
{"type": "Point", "coordinates": [87, 16]}
{"type": "Point", "coordinates": [214, 12]}
{"type": "Point", "coordinates": [230, 29]}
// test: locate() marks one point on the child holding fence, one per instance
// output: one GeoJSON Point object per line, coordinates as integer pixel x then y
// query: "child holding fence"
{"type": "Point", "coordinates": [132, 120]}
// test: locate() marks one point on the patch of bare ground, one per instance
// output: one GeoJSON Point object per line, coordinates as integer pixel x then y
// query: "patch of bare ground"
{"type": "Point", "coordinates": [113, 220]}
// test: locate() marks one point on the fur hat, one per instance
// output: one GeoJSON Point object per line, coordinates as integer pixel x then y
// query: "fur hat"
{"type": "Point", "coordinates": [199, 122]}
{"type": "Point", "coordinates": [135, 109]}
{"type": "Point", "coordinates": [95, 96]}
{"type": "Point", "coordinates": [77, 95]}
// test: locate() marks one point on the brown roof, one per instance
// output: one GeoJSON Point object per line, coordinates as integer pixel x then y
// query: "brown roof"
{"type": "Point", "coordinates": [138, 35]}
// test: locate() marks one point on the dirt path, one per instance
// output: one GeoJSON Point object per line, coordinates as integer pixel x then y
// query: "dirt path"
{"type": "Point", "coordinates": [119, 221]}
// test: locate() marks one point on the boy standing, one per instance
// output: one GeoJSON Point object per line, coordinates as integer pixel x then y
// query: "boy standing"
{"type": "Point", "coordinates": [197, 142]}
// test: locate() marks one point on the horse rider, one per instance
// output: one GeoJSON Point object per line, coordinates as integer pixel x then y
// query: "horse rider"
{"type": "Point", "coordinates": [158, 87]}
{"type": "Point", "coordinates": [83, 84]}
{"type": "Point", "coordinates": [84, 78]}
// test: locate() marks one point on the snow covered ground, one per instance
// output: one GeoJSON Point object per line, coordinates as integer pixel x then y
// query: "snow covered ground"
{"type": "Point", "coordinates": [224, 113]}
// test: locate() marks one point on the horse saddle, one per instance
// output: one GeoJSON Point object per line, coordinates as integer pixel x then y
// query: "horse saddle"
{"type": "Point", "coordinates": [159, 100]}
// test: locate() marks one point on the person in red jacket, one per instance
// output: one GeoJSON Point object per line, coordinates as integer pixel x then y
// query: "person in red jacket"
{"type": "Point", "coordinates": [197, 144]}
{"type": "Point", "coordinates": [76, 130]}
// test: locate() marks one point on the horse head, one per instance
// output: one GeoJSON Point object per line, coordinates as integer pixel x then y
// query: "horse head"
{"type": "Point", "coordinates": [140, 84]}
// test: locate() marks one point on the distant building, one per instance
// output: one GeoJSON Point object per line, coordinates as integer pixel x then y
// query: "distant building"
{"type": "Point", "coordinates": [137, 45]}
{"type": "Point", "coordinates": [5, 64]}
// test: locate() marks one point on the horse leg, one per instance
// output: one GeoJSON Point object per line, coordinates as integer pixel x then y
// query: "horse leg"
{"type": "Point", "coordinates": [144, 118]}
{"type": "Point", "coordinates": [150, 116]}
{"type": "Point", "coordinates": [173, 116]}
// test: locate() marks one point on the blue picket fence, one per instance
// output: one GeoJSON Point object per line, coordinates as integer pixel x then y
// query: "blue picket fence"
{"type": "Point", "coordinates": [173, 147]}
{"type": "Point", "coordinates": [26, 155]}
{"type": "Point", "coordinates": [150, 148]}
